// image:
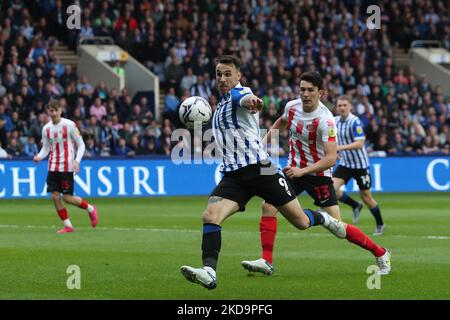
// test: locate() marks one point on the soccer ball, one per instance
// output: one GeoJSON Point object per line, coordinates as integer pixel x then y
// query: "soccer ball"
{"type": "Point", "coordinates": [195, 110]}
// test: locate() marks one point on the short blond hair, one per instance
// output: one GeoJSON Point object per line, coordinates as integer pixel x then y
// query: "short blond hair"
{"type": "Point", "coordinates": [345, 98]}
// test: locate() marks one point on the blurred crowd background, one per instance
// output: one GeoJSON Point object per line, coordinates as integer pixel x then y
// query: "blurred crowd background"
{"type": "Point", "coordinates": [276, 41]}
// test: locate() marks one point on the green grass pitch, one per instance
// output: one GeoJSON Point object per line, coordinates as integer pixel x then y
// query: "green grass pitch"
{"type": "Point", "coordinates": [139, 245]}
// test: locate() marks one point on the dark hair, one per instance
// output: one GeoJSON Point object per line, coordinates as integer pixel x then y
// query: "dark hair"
{"type": "Point", "coordinates": [314, 77]}
{"type": "Point", "coordinates": [229, 59]}
{"type": "Point", "coordinates": [53, 104]}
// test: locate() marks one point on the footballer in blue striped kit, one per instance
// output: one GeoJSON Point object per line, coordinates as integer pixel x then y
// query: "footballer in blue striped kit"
{"type": "Point", "coordinates": [354, 163]}
{"type": "Point", "coordinates": [245, 175]}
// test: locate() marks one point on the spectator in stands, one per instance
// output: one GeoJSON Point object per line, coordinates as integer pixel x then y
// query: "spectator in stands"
{"type": "Point", "coordinates": [92, 129]}
{"type": "Point", "coordinates": [98, 109]}
{"type": "Point", "coordinates": [135, 146]}
{"type": "Point", "coordinates": [118, 68]}
{"type": "Point", "coordinates": [414, 145]}
{"type": "Point", "coordinates": [30, 148]}
{"type": "Point", "coordinates": [86, 30]}
{"type": "Point", "coordinates": [171, 104]}
{"type": "Point", "coordinates": [174, 73]}
{"type": "Point", "coordinates": [188, 80]}
{"type": "Point", "coordinates": [68, 76]}
{"type": "Point", "coordinates": [127, 21]}
{"type": "Point", "coordinates": [84, 84]}
{"type": "Point", "coordinates": [430, 145]}
{"type": "Point", "coordinates": [14, 148]}
{"type": "Point", "coordinates": [122, 149]}
{"type": "Point", "coordinates": [91, 149]}
{"type": "Point", "coordinates": [37, 125]}
{"type": "Point", "coordinates": [383, 144]}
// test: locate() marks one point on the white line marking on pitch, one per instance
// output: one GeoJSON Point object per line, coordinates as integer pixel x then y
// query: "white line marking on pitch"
{"type": "Point", "coordinates": [15, 226]}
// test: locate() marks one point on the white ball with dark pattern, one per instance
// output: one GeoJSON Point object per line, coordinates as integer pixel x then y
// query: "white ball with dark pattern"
{"type": "Point", "coordinates": [193, 110]}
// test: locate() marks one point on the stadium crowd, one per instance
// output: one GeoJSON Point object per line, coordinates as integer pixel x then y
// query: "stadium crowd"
{"type": "Point", "coordinates": [276, 41]}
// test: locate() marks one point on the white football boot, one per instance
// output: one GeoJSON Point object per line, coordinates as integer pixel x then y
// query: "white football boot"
{"type": "Point", "coordinates": [260, 265]}
{"type": "Point", "coordinates": [384, 263]}
{"type": "Point", "coordinates": [333, 225]}
{"type": "Point", "coordinates": [205, 276]}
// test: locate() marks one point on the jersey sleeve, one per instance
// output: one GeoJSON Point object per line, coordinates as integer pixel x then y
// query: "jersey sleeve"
{"type": "Point", "coordinates": [238, 94]}
{"type": "Point", "coordinates": [357, 130]}
{"type": "Point", "coordinates": [76, 136]}
{"type": "Point", "coordinates": [285, 114]}
{"type": "Point", "coordinates": [328, 129]}
{"type": "Point", "coordinates": [46, 146]}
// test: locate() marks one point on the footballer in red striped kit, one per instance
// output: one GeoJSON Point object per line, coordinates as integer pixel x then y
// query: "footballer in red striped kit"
{"type": "Point", "coordinates": [60, 136]}
{"type": "Point", "coordinates": [312, 155]}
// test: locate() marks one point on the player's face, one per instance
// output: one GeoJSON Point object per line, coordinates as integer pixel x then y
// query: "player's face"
{"type": "Point", "coordinates": [227, 77]}
{"type": "Point", "coordinates": [55, 114]}
{"type": "Point", "coordinates": [343, 108]}
{"type": "Point", "coordinates": [310, 95]}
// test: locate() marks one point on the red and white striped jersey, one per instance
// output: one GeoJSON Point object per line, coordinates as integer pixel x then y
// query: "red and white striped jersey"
{"type": "Point", "coordinates": [59, 140]}
{"type": "Point", "coordinates": [307, 133]}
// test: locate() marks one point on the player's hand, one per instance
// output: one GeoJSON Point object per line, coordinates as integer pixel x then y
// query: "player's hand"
{"type": "Point", "coordinates": [36, 159]}
{"type": "Point", "coordinates": [76, 167]}
{"type": "Point", "coordinates": [294, 172]}
{"type": "Point", "coordinates": [255, 104]}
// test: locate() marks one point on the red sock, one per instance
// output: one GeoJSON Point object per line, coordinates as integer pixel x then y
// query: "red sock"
{"type": "Point", "coordinates": [357, 237]}
{"type": "Point", "coordinates": [267, 231]}
{"type": "Point", "coordinates": [83, 204]}
{"type": "Point", "coordinates": [63, 214]}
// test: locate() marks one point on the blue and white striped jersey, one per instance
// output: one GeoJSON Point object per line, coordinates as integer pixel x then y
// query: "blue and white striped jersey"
{"type": "Point", "coordinates": [348, 131]}
{"type": "Point", "coordinates": [236, 131]}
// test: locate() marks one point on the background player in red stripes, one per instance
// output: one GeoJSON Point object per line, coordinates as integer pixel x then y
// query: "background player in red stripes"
{"type": "Point", "coordinates": [313, 152]}
{"type": "Point", "coordinates": [58, 139]}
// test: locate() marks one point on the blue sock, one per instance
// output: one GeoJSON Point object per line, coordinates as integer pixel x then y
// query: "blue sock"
{"type": "Point", "coordinates": [315, 218]}
{"type": "Point", "coordinates": [377, 215]}
{"type": "Point", "coordinates": [211, 243]}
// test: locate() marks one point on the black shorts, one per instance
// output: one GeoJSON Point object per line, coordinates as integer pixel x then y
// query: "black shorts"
{"type": "Point", "coordinates": [321, 189]}
{"type": "Point", "coordinates": [245, 183]}
{"type": "Point", "coordinates": [61, 182]}
{"type": "Point", "coordinates": [362, 176]}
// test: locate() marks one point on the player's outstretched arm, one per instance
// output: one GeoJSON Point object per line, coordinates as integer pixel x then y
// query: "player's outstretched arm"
{"type": "Point", "coordinates": [280, 124]}
{"type": "Point", "coordinates": [252, 103]}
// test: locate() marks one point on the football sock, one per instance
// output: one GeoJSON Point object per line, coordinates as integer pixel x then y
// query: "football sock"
{"type": "Point", "coordinates": [67, 223]}
{"type": "Point", "coordinates": [315, 218]}
{"type": "Point", "coordinates": [64, 216]}
{"type": "Point", "coordinates": [267, 232]}
{"type": "Point", "coordinates": [377, 215]}
{"type": "Point", "coordinates": [357, 237]}
{"type": "Point", "coordinates": [211, 242]}
{"type": "Point", "coordinates": [86, 206]}
{"type": "Point", "coordinates": [348, 200]}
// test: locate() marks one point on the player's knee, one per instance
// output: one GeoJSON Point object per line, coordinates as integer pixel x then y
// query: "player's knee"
{"type": "Point", "coordinates": [55, 196]}
{"type": "Point", "coordinates": [209, 216]}
{"type": "Point", "coordinates": [367, 199]}
{"type": "Point", "coordinates": [268, 210]}
{"type": "Point", "coordinates": [302, 223]}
